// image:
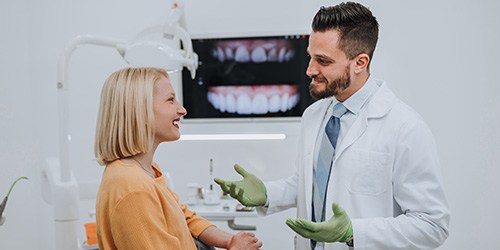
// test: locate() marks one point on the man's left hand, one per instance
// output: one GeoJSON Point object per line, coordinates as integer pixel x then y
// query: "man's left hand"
{"type": "Point", "coordinates": [336, 229]}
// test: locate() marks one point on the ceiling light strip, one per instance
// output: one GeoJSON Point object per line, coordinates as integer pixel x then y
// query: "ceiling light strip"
{"type": "Point", "coordinates": [226, 137]}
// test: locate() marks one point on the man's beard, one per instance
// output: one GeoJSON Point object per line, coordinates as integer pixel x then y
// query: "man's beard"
{"type": "Point", "coordinates": [333, 88]}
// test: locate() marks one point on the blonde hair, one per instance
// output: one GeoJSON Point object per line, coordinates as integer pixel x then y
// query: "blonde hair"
{"type": "Point", "coordinates": [125, 122]}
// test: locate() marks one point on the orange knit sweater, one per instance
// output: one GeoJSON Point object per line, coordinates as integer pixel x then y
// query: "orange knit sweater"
{"type": "Point", "coordinates": [134, 211]}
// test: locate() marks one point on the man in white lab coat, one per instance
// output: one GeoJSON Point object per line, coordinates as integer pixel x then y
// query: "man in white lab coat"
{"type": "Point", "coordinates": [383, 180]}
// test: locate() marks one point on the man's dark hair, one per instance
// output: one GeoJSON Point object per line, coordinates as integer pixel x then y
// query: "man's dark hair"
{"type": "Point", "coordinates": [357, 27]}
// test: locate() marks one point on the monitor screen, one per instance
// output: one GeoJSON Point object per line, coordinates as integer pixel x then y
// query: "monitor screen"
{"type": "Point", "coordinates": [248, 77]}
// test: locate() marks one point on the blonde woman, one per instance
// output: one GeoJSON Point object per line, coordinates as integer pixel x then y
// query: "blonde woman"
{"type": "Point", "coordinates": [135, 208]}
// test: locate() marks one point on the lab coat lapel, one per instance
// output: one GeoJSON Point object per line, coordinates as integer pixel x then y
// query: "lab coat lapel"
{"type": "Point", "coordinates": [379, 106]}
{"type": "Point", "coordinates": [315, 120]}
{"type": "Point", "coordinates": [356, 130]}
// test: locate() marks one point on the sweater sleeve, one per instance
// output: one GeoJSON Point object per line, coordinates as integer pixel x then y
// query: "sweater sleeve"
{"type": "Point", "coordinates": [137, 223]}
{"type": "Point", "coordinates": [196, 223]}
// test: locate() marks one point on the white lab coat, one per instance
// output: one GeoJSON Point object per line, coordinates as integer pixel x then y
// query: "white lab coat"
{"type": "Point", "coordinates": [385, 175]}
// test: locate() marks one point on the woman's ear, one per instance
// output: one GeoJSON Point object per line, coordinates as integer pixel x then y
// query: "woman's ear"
{"type": "Point", "coordinates": [361, 63]}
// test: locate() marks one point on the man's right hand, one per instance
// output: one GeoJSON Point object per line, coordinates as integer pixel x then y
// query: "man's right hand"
{"type": "Point", "coordinates": [250, 191]}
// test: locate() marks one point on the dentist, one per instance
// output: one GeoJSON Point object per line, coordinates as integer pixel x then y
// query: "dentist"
{"type": "Point", "coordinates": [368, 173]}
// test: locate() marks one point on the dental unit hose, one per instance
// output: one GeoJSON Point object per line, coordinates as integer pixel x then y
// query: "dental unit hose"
{"type": "Point", "coordinates": [4, 202]}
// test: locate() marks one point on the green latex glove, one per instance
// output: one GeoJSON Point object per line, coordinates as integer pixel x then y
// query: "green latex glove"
{"type": "Point", "coordinates": [250, 191]}
{"type": "Point", "coordinates": [336, 229]}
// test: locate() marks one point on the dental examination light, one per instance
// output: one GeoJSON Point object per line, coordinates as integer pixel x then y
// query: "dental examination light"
{"type": "Point", "coordinates": [4, 202]}
{"type": "Point", "coordinates": [158, 46]}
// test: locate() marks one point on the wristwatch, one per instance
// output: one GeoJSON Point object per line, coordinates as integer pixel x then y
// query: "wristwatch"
{"type": "Point", "coordinates": [350, 241]}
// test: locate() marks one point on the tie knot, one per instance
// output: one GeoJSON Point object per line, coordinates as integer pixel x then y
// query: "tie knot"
{"type": "Point", "coordinates": [339, 110]}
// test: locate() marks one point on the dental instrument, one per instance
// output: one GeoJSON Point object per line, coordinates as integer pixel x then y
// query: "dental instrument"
{"type": "Point", "coordinates": [211, 196]}
{"type": "Point", "coordinates": [211, 174]}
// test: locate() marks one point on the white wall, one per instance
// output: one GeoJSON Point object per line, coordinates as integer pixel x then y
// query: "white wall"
{"type": "Point", "coordinates": [19, 155]}
{"type": "Point", "coordinates": [438, 56]}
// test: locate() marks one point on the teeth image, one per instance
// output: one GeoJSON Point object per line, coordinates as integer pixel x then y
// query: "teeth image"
{"type": "Point", "coordinates": [281, 55]}
{"type": "Point", "coordinates": [289, 55]}
{"type": "Point", "coordinates": [274, 103]}
{"type": "Point", "coordinates": [295, 100]}
{"type": "Point", "coordinates": [215, 53]}
{"type": "Point", "coordinates": [222, 103]}
{"type": "Point", "coordinates": [284, 102]}
{"type": "Point", "coordinates": [215, 101]}
{"type": "Point", "coordinates": [211, 98]}
{"type": "Point", "coordinates": [272, 55]}
{"type": "Point", "coordinates": [259, 55]}
{"type": "Point", "coordinates": [229, 53]}
{"type": "Point", "coordinates": [230, 103]}
{"type": "Point", "coordinates": [259, 104]}
{"type": "Point", "coordinates": [221, 54]}
{"type": "Point", "coordinates": [244, 104]}
{"type": "Point", "coordinates": [269, 45]}
{"type": "Point", "coordinates": [291, 101]}
{"type": "Point", "coordinates": [242, 55]}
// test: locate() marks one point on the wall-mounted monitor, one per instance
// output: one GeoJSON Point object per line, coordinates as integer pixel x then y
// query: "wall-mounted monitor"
{"type": "Point", "coordinates": [248, 77]}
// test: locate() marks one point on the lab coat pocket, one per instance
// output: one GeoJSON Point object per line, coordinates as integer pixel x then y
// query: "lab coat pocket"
{"type": "Point", "coordinates": [368, 172]}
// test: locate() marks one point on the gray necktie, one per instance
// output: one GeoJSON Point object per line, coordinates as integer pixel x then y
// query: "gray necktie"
{"type": "Point", "coordinates": [324, 162]}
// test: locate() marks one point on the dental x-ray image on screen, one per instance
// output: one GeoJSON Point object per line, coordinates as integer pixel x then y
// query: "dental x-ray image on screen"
{"type": "Point", "coordinates": [248, 77]}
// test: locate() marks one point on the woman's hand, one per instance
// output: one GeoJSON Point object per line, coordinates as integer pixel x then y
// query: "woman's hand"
{"type": "Point", "coordinates": [244, 241]}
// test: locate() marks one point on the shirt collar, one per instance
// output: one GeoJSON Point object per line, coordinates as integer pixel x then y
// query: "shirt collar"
{"type": "Point", "coordinates": [361, 97]}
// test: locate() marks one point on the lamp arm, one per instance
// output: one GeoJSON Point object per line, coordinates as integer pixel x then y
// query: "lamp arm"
{"type": "Point", "coordinates": [191, 58]}
{"type": "Point", "coordinates": [62, 86]}
{"type": "Point", "coordinates": [71, 47]}
{"type": "Point", "coordinates": [174, 18]}
{"type": "Point", "coordinates": [175, 27]}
